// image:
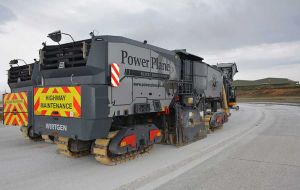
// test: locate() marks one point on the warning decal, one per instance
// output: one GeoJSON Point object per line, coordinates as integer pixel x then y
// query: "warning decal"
{"type": "Point", "coordinates": [61, 101]}
{"type": "Point", "coordinates": [115, 74]}
{"type": "Point", "coordinates": [15, 109]}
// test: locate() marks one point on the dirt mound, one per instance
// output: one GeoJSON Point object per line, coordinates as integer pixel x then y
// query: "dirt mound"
{"type": "Point", "coordinates": [268, 92]}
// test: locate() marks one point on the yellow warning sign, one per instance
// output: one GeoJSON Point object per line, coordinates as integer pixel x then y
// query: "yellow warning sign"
{"type": "Point", "coordinates": [58, 101]}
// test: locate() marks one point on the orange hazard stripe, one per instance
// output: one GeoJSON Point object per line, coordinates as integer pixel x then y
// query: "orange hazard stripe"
{"type": "Point", "coordinates": [37, 104]}
{"type": "Point", "coordinates": [66, 89]}
{"type": "Point", "coordinates": [20, 107]}
{"type": "Point", "coordinates": [14, 121]}
{"type": "Point", "coordinates": [7, 108]}
{"type": "Point", "coordinates": [9, 119]}
{"type": "Point", "coordinates": [20, 119]}
{"type": "Point", "coordinates": [35, 91]}
{"type": "Point", "coordinates": [77, 106]}
{"type": "Point", "coordinates": [45, 90]}
{"type": "Point", "coordinates": [14, 97]}
{"type": "Point", "coordinates": [6, 97]}
{"type": "Point", "coordinates": [78, 89]}
{"type": "Point", "coordinates": [23, 96]}
{"type": "Point", "coordinates": [67, 113]}
{"type": "Point", "coordinates": [6, 117]}
{"type": "Point", "coordinates": [43, 112]}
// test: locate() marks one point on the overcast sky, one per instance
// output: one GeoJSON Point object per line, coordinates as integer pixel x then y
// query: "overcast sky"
{"type": "Point", "coordinates": [261, 36]}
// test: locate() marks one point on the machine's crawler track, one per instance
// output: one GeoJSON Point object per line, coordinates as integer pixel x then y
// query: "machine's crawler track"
{"type": "Point", "coordinates": [64, 148]}
{"type": "Point", "coordinates": [102, 154]}
{"type": "Point", "coordinates": [27, 134]}
{"type": "Point", "coordinates": [48, 138]}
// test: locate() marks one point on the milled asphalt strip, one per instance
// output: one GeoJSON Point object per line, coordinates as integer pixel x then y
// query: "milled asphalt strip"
{"type": "Point", "coordinates": [274, 103]}
{"type": "Point", "coordinates": [164, 175]}
{"type": "Point", "coordinates": [271, 163]}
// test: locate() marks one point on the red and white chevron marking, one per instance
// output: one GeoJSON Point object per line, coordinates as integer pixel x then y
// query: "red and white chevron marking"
{"type": "Point", "coordinates": [115, 74]}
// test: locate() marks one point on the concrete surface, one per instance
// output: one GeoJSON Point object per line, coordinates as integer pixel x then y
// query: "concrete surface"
{"type": "Point", "coordinates": [259, 148]}
{"type": "Point", "coordinates": [269, 158]}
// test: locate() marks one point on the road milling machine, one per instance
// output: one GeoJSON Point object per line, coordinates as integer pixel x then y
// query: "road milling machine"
{"type": "Point", "coordinates": [18, 105]}
{"type": "Point", "coordinates": [116, 97]}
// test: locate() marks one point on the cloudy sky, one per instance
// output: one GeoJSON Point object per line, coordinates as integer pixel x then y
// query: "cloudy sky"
{"type": "Point", "coordinates": [261, 36]}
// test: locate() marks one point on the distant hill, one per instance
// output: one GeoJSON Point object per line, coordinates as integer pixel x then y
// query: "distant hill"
{"type": "Point", "coordinates": [265, 81]}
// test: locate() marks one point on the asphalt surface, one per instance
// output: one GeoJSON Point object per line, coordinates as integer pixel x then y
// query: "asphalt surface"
{"type": "Point", "coordinates": [259, 148]}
